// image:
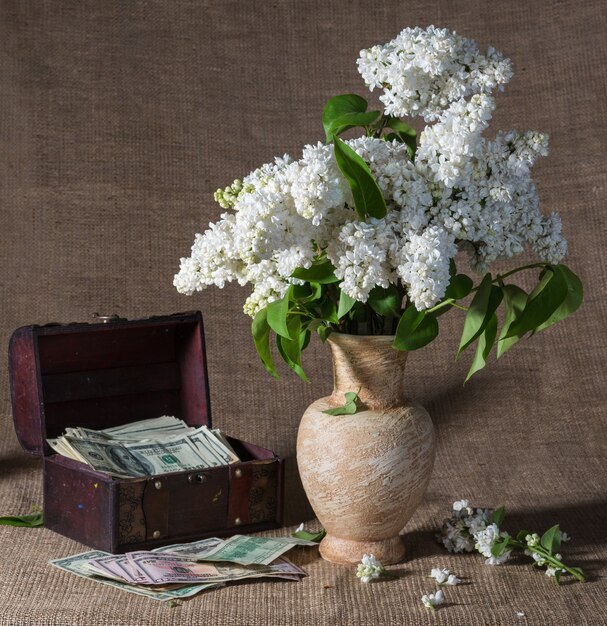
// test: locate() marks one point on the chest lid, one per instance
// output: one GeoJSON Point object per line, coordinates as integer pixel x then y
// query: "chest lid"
{"type": "Point", "coordinates": [103, 375]}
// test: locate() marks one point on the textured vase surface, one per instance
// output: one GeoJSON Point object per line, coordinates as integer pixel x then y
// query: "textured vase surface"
{"type": "Point", "coordinates": [365, 474]}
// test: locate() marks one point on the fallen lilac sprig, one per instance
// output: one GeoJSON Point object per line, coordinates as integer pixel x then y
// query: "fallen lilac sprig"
{"type": "Point", "coordinates": [432, 600]}
{"type": "Point", "coordinates": [468, 529]}
{"type": "Point", "coordinates": [444, 577]}
{"type": "Point", "coordinates": [370, 568]}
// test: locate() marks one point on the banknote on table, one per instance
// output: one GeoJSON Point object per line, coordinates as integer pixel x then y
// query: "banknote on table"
{"type": "Point", "coordinates": [166, 568]}
{"type": "Point", "coordinates": [248, 550]}
{"type": "Point", "coordinates": [194, 550]}
{"type": "Point", "coordinates": [79, 564]}
{"type": "Point", "coordinates": [175, 571]}
{"type": "Point", "coordinates": [146, 448]}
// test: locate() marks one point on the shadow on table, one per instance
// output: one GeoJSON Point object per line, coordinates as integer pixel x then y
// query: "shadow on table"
{"type": "Point", "coordinates": [583, 521]}
{"type": "Point", "coordinates": [18, 462]}
{"type": "Point", "coordinates": [297, 506]}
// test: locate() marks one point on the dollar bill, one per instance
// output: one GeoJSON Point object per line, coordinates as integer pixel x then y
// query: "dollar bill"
{"type": "Point", "coordinates": [109, 457]}
{"type": "Point", "coordinates": [78, 564]}
{"type": "Point", "coordinates": [169, 456]}
{"type": "Point", "coordinates": [155, 428]}
{"type": "Point", "coordinates": [224, 440]}
{"type": "Point", "coordinates": [206, 439]}
{"type": "Point", "coordinates": [171, 568]}
{"type": "Point", "coordinates": [146, 448]}
{"type": "Point", "coordinates": [247, 550]}
{"type": "Point", "coordinates": [194, 550]}
{"type": "Point", "coordinates": [117, 566]}
{"type": "Point", "coordinates": [167, 568]}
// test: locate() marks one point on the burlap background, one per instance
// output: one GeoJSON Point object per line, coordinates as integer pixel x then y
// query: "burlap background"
{"type": "Point", "coordinates": [117, 122]}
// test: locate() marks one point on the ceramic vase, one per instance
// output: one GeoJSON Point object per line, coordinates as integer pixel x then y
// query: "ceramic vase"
{"type": "Point", "coordinates": [365, 473]}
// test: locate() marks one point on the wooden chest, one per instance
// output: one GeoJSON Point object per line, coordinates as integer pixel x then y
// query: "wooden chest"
{"type": "Point", "coordinates": [106, 374]}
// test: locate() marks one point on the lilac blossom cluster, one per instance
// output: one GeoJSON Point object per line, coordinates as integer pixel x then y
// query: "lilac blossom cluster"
{"type": "Point", "coordinates": [462, 191]}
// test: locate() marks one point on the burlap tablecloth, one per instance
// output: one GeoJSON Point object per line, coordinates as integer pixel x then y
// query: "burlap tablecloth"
{"type": "Point", "coordinates": [117, 122]}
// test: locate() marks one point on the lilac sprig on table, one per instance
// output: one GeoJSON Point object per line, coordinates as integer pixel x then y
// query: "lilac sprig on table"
{"type": "Point", "coordinates": [370, 568]}
{"type": "Point", "coordinates": [470, 529]}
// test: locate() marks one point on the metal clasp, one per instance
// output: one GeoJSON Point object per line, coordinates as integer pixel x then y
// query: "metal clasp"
{"type": "Point", "coordinates": [198, 478]}
{"type": "Point", "coordinates": [104, 319]}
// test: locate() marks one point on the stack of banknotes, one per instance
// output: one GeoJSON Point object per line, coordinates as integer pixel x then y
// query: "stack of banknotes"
{"type": "Point", "coordinates": [183, 570]}
{"type": "Point", "coordinates": [146, 448]}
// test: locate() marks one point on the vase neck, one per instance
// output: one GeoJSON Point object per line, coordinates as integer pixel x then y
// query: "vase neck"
{"type": "Point", "coordinates": [371, 364]}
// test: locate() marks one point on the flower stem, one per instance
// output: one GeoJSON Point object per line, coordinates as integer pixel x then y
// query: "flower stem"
{"type": "Point", "coordinates": [444, 303]}
{"type": "Point", "coordinates": [538, 549]}
{"type": "Point", "coordinates": [500, 277]}
{"type": "Point", "coordinates": [520, 269]}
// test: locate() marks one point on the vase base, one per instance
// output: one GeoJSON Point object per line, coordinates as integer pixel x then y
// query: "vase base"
{"type": "Point", "coordinates": [348, 551]}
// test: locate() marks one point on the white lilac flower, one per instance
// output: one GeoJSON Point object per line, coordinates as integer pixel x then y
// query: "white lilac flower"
{"type": "Point", "coordinates": [432, 600]}
{"type": "Point", "coordinates": [498, 560]}
{"type": "Point", "coordinates": [369, 568]}
{"type": "Point", "coordinates": [462, 189]}
{"type": "Point", "coordinates": [455, 536]}
{"type": "Point", "coordinates": [538, 558]}
{"type": "Point", "coordinates": [462, 507]}
{"type": "Point", "coordinates": [565, 537]}
{"type": "Point", "coordinates": [486, 539]}
{"type": "Point", "coordinates": [444, 577]}
{"type": "Point", "coordinates": [439, 575]}
{"type": "Point", "coordinates": [532, 540]}
{"type": "Point", "coordinates": [423, 70]}
{"type": "Point", "coordinates": [360, 253]}
{"type": "Point", "coordinates": [552, 571]}
{"type": "Point", "coordinates": [424, 265]}
{"type": "Point", "coordinates": [477, 521]}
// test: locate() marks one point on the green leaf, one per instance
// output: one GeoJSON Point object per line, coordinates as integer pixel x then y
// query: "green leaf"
{"type": "Point", "coordinates": [399, 126]}
{"type": "Point", "coordinates": [277, 315]}
{"type": "Point", "coordinates": [261, 336]}
{"type": "Point", "coordinates": [322, 272]}
{"type": "Point", "coordinates": [459, 287]}
{"type": "Point", "coordinates": [359, 312]}
{"type": "Point", "coordinates": [452, 268]}
{"type": "Point", "coordinates": [572, 301]}
{"type": "Point", "coordinates": [338, 106]}
{"type": "Point", "coordinates": [290, 349]}
{"type": "Point", "coordinates": [32, 520]}
{"type": "Point", "coordinates": [542, 303]}
{"type": "Point", "coordinates": [328, 310]}
{"type": "Point", "coordinates": [520, 536]}
{"type": "Point", "coordinates": [485, 343]}
{"type": "Point", "coordinates": [386, 302]}
{"type": "Point", "coordinates": [345, 304]}
{"type": "Point", "coordinates": [483, 306]}
{"type": "Point", "coordinates": [551, 539]}
{"type": "Point", "coordinates": [308, 292]}
{"type": "Point", "coordinates": [350, 120]}
{"type": "Point", "coordinates": [499, 548]}
{"type": "Point", "coordinates": [497, 517]}
{"type": "Point", "coordinates": [415, 330]}
{"type": "Point", "coordinates": [368, 197]}
{"type": "Point", "coordinates": [557, 576]}
{"type": "Point", "coordinates": [306, 334]}
{"type": "Point", "coordinates": [324, 332]}
{"type": "Point", "coordinates": [578, 572]}
{"type": "Point", "coordinates": [405, 133]}
{"type": "Point", "coordinates": [349, 407]}
{"type": "Point", "coordinates": [308, 536]}
{"type": "Point", "coordinates": [514, 300]}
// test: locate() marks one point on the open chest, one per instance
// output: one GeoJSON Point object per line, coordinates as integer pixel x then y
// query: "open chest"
{"type": "Point", "coordinates": [108, 374]}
